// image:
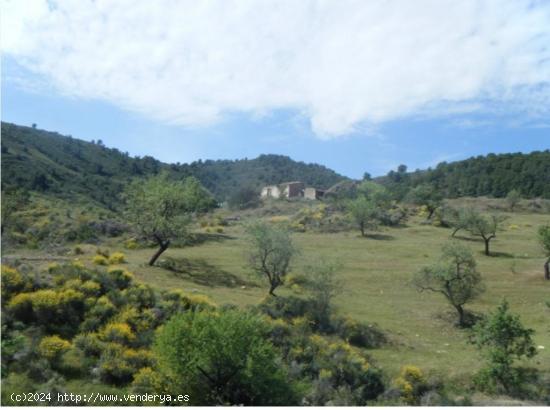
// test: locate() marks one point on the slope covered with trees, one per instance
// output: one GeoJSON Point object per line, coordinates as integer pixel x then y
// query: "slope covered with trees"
{"type": "Point", "coordinates": [491, 175]}
{"type": "Point", "coordinates": [48, 162]}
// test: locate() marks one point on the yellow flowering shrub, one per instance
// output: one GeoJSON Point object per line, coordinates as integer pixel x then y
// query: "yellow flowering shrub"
{"type": "Point", "coordinates": [139, 321]}
{"type": "Point", "coordinates": [21, 305]}
{"type": "Point", "coordinates": [146, 380]}
{"type": "Point", "coordinates": [138, 358]}
{"type": "Point", "coordinates": [47, 306]}
{"type": "Point", "coordinates": [122, 277]}
{"type": "Point", "coordinates": [131, 244]}
{"type": "Point", "coordinates": [99, 311]}
{"type": "Point", "coordinates": [100, 260]}
{"type": "Point", "coordinates": [12, 282]}
{"type": "Point", "coordinates": [279, 219]}
{"type": "Point", "coordinates": [44, 299]}
{"type": "Point", "coordinates": [52, 267]}
{"type": "Point", "coordinates": [422, 211]}
{"type": "Point", "coordinates": [197, 301]}
{"type": "Point", "coordinates": [73, 362]}
{"type": "Point", "coordinates": [410, 382]}
{"type": "Point", "coordinates": [52, 347]}
{"type": "Point", "coordinates": [77, 263]}
{"type": "Point", "coordinates": [325, 374]}
{"type": "Point", "coordinates": [90, 287]}
{"type": "Point", "coordinates": [116, 258]}
{"type": "Point", "coordinates": [113, 367]}
{"type": "Point", "coordinates": [298, 227]}
{"type": "Point", "coordinates": [412, 373]}
{"type": "Point", "coordinates": [69, 296]}
{"type": "Point", "coordinates": [117, 332]}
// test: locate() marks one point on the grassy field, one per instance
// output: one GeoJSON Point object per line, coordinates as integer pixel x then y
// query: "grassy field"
{"type": "Point", "coordinates": [376, 274]}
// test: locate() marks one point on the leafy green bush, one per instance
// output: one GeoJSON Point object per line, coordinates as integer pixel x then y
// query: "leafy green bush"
{"type": "Point", "coordinates": [221, 358]}
{"type": "Point", "coordinates": [73, 362]}
{"type": "Point", "coordinates": [358, 334]}
{"type": "Point", "coordinates": [89, 343]}
{"type": "Point", "coordinates": [286, 307]}
{"type": "Point", "coordinates": [503, 339]}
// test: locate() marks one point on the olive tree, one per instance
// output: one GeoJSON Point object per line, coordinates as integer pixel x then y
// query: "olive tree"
{"type": "Point", "coordinates": [323, 285]}
{"type": "Point", "coordinates": [426, 195]}
{"type": "Point", "coordinates": [364, 212]}
{"type": "Point", "coordinates": [454, 276]}
{"type": "Point", "coordinates": [368, 208]}
{"type": "Point", "coordinates": [544, 239]}
{"type": "Point", "coordinates": [455, 218]}
{"type": "Point", "coordinates": [503, 339]}
{"type": "Point", "coordinates": [513, 199]}
{"type": "Point", "coordinates": [270, 253]}
{"type": "Point", "coordinates": [374, 192]}
{"type": "Point", "coordinates": [161, 209]}
{"type": "Point", "coordinates": [485, 227]}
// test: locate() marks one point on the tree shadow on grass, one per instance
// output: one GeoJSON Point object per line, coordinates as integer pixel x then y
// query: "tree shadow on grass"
{"type": "Point", "coordinates": [202, 273]}
{"type": "Point", "coordinates": [500, 255]}
{"type": "Point", "coordinates": [379, 237]}
{"type": "Point", "coordinates": [199, 238]}
{"type": "Point", "coordinates": [450, 316]}
{"type": "Point", "coordinates": [467, 238]}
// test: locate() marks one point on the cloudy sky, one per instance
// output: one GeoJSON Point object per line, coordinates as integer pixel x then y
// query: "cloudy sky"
{"type": "Point", "coordinates": [355, 85]}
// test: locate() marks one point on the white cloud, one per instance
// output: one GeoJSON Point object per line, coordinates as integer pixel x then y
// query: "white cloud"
{"type": "Point", "coordinates": [340, 63]}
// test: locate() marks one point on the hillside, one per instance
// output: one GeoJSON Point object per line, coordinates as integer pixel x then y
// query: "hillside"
{"type": "Point", "coordinates": [491, 175]}
{"type": "Point", "coordinates": [51, 163]}
{"type": "Point", "coordinates": [63, 166]}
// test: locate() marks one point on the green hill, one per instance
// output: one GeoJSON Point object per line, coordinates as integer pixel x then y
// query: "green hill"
{"type": "Point", "coordinates": [50, 163]}
{"type": "Point", "coordinates": [53, 164]}
{"type": "Point", "coordinates": [491, 175]}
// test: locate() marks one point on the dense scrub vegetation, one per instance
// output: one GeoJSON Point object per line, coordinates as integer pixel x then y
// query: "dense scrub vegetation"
{"type": "Point", "coordinates": [100, 326]}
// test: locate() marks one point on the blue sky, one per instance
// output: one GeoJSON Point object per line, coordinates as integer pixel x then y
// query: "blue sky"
{"type": "Point", "coordinates": [287, 82]}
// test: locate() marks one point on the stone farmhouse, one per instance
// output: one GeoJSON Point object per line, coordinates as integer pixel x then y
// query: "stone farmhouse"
{"type": "Point", "coordinates": [291, 190]}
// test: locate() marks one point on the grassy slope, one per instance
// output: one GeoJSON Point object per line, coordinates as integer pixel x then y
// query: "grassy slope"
{"type": "Point", "coordinates": [377, 289]}
{"type": "Point", "coordinates": [376, 275]}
